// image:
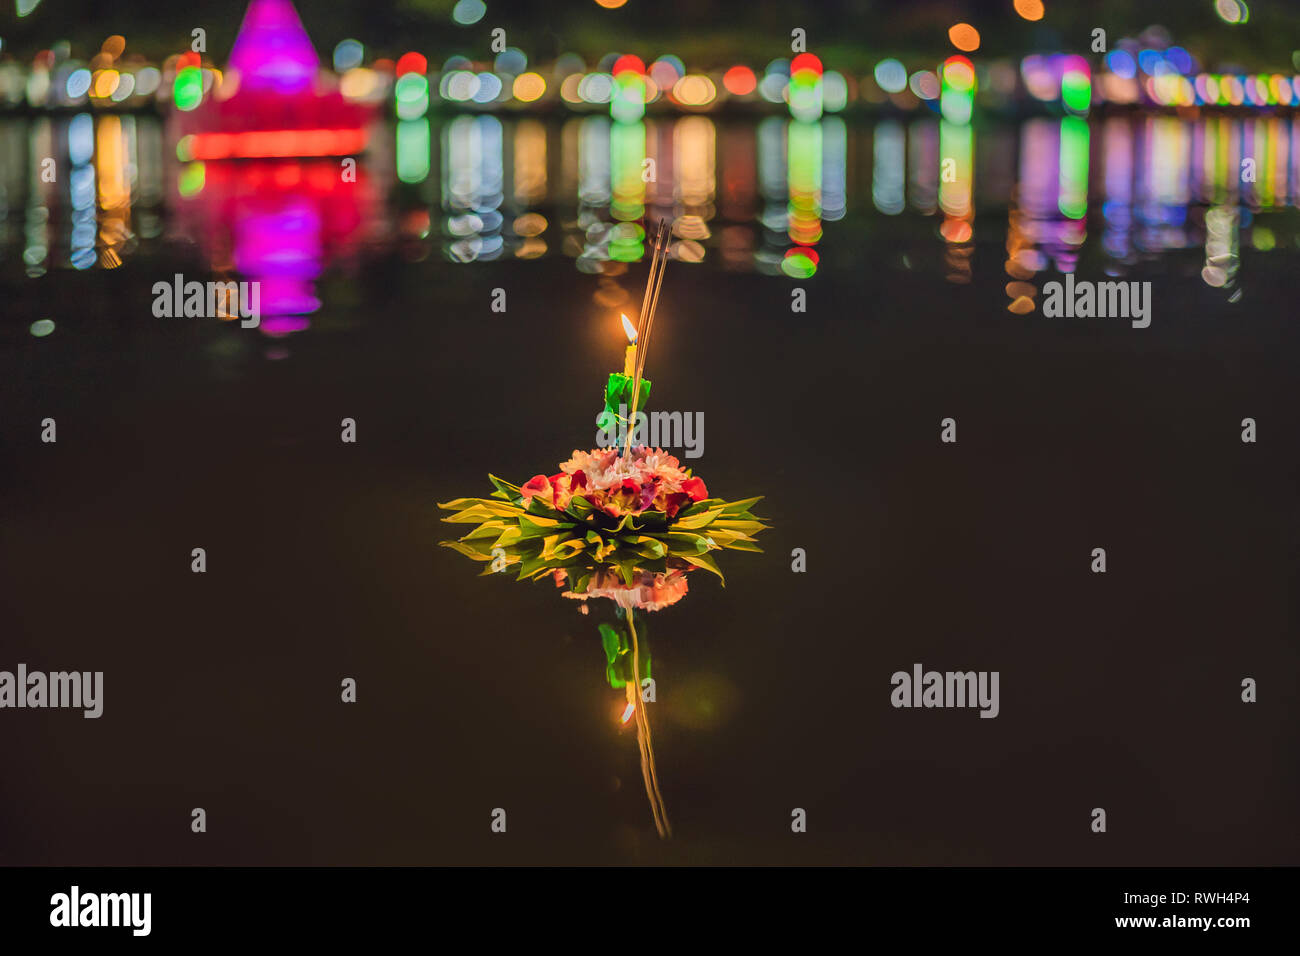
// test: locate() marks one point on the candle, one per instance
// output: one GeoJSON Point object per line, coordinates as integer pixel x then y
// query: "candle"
{"type": "Point", "coordinates": [629, 356]}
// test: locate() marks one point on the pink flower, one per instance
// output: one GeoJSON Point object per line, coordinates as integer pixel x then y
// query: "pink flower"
{"type": "Point", "coordinates": [647, 479]}
{"type": "Point", "coordinates": [537, 485]}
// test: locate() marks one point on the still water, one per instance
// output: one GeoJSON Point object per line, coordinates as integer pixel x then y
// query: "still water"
{"type": "Point", "coordinates": [773, 196]}
{"type": "Point", "coordinates": [773, 692]}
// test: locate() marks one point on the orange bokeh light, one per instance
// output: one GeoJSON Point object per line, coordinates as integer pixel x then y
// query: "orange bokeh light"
{"type": "Point", "coordinates": [1030, 9]}
{"type": "Point", "coordinates": [964, 37]}
{"type": "Point", "coordinates": [739, 81]}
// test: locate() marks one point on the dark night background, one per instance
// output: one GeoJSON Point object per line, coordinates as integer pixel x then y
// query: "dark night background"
{"type": "Point", "coordinates": [1119, 690]}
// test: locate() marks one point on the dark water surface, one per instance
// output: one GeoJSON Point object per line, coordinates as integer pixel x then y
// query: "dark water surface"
{"type": "Point", "coordinates": [1119, 690]}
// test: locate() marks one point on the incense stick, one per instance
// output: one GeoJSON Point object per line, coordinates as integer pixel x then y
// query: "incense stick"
{"type": "Point", "coordinates": [654, 306]}
{"type": "Point", "coordinates": [654, 281]}
{"type": "Point", "coordinates": [645, 300]}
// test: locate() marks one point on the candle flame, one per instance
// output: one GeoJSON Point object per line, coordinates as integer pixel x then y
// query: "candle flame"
{"type": "Point", "coordinates": [629, 328]}
{"type": "Point", "coordinates": [627, 714]}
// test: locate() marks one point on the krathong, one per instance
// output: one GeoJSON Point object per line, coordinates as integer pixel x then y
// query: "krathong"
{"type": "Point", "coordinates": [625, 524]}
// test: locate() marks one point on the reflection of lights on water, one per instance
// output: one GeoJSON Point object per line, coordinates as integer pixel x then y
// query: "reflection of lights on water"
{"type": "Point", "coordinates": [694, 162]}
{"type": "Point", "coordinates": [923, 164]}
{"type": "Point", "coordinates": [804, 142]}
{"type": "Point", "coordinates": [800, 262]}
{"type": "Point", "coordinates": [81, 188]}
{"type": "Point", "coordinates": [413, 151]}
{"type": "Point", "coordinates": [1117, 208]}
{"type": "Point", "coordinates": [625, 242]}
{"type": "Point", "coordinates": [627, 150]}
{"type": "Point", "coordinates": [530, 176]}
{"type": "Point", "coordinates": [1073, 198]}
{"type": "Point", "coordinates": [956, 187]}
{"type": "Point", "coordinates": [593, 161]}
{"type": "Point", "coordinates": [81, 142]}
{"type": "Point", "coordinates": [473, 180]}
{"type": "Point", "coordinates": [956, 146]}
{"type": "Point", "coordinates": [1222, 228]}
{"type": "Point", "coordinates": [628, 711]}
{"type": "Point", "coordinates": [772, 183]}
{"type": "Point", "coordinates": [114, 172]}
{"type": "Point", "coordinates": [887, 174]}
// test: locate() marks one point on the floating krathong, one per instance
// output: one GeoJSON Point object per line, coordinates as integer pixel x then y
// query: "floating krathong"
{"type": "Point", "coordinates": [625, 524]}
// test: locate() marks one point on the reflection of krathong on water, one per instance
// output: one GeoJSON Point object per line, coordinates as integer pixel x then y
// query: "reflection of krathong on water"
{"type": "Point", "coordinates": [623, 524]}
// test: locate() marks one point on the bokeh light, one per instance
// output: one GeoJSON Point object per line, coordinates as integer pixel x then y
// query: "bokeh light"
{"type": "Point", "coordinates": [467, 12]}
{"type": "Point", "coordinates": [78, 84]}
{"type": "Point", "coordinates": [1030, 9]}
{"type": "Point", "coordinates": [1232, 11]}
{"type": "Point", "coordinates": [740, 81]}
{"type": "Point", "coordinates": [528, 87]}
{"type": "Point", "coordinates": [694, 89]}
{"type": "Point", "coordinates": [187, 90]}
{"type": "Point", "coordinates": [891, 76]}
{"type": "Point", "coordinates": [347, 55]}
{"type": "Point", "coordinates": [964, 37]}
